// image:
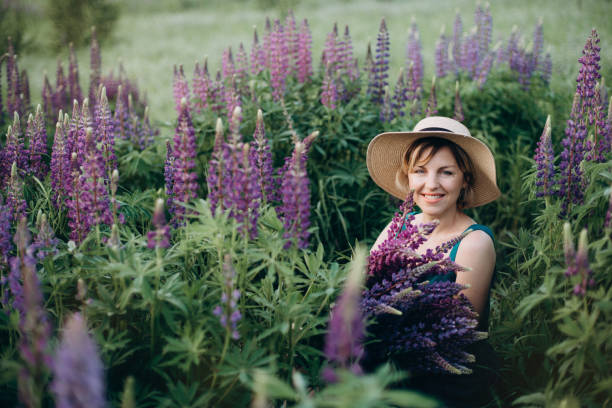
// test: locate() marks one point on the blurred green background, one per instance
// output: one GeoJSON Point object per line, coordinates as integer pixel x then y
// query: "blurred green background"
{"type": "Point", "coordinates": [150, 36]}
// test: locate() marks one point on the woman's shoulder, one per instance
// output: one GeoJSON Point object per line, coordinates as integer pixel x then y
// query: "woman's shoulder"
{"type": "Point", "coordinates": [477, 241]}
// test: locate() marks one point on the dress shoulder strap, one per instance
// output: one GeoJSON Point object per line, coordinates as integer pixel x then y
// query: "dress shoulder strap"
{"type": "Point", "coordinates": [473, 227]}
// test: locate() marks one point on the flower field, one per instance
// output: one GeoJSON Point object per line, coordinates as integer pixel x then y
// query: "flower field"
{"type": "Point", "coordinates": [222, 260]}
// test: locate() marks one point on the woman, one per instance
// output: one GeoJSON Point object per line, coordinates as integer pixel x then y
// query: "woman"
{"type": "Point", "coordinates": [449, 171]}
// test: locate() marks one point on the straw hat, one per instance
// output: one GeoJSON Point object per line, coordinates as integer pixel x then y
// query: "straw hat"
{"type": "Point", "coordinates": [387, 150]}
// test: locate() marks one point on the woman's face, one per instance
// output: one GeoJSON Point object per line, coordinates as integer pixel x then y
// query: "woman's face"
{"type": "Point", "coordinates": [437, 183]}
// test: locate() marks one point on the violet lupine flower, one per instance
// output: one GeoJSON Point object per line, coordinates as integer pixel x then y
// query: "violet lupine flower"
{"type": "Point", "coordinates": [201, 85]}
{"type": "Point", "coordinates": [146, 135]}
{"type": "Point", "coordinates": [60, 164]}
{"type": "Point", "coordinates": [513, 49]}
{"type": "Point", "coordinates": [436, 321]}
{"type": "Point", "coordinates": [387, 113]}
{"type": "Point", "coordinates": [231, 98]}
{"type": "Point", "coordinates": [121, 115]}
{"type": "Point", "coordinates": [538, 44]}
{"type": "Point", "coordinates": [78, 372]}
{"type": "Point", "coordinates": [400, 95]}
{"type": "Point", "coordinates": [45, 243]}
{"type": "Point", "coordinates": [574, 146]}
{"type": "Point", "coordinates": [346, 328]}
{"type": "Point", "coordinates": [484, 23]}
{"type": "Point", "coordinates": [216, 176]}
{"type": "Point", "coordinates": [228, 311]}
{"type": "Point", "coordinates": [47, 97]}
{"type": "Point", "coordinates": [263, 161]}
{"type": "Point", "coordinates": [414, 55]}
{"type": "Point", "coordinates": [432, 102]}
{"type": "Point", "coordinates": [546, 68]}
{"type": "Point", "coordinates": [217, 93]}
{"type": "Point", "coordinates": [290, 37]}
{"type": "Point", "coordinates": [37, 135]}
{"type": "Point", "coordinates": [577, 262]}
{"type": "Point", "coordinates": [160, 236]}
{"type": "Point", "coordinates": [84, 122]}
{"type": "Point", "coordinates": [258, 56]}
{"type": "Point", "coordinates": [241, 71]}
{"type": "Point", "coordinates": [105, 134]}
{"type": "Point", "coordinates": [469, 53]}
{"type": "Point", "coordinates": [330, 56]}
{"type": "Point", "coordinates": [14, 195]}
{"type": "Point", "coordinates": [5, 234]}
{"type": "Point", "coordinates": [227, 64]}
{"type": "Point", "coordinates": [441, 55]}
{"type": "Point", "coordinates": [295, 199]}
{"type": "Point", "coordinates": [589, 75]}
{"type": "Point", "coordinates": [304, 53]}
{"type": "Point", "coordinates": [483, 69]}
{"type": "Point", "coordinates": [370, 71]}
{"type": "Point", "coordinates": [457, 46]}
{"type": "Point", "coordinates": [329, 89]}
{"type": "Point", "coordinates": [74, 89]}
{"type": "Point", "coordinates": [601, 128]}
{"type": "Point", "coordinates": [607, 220]}
{"type": "Point", "coordinates": [25, 92]}
{"type": "Point", "coordinates": [180, 88]}
{"type": "Point", "coordinates": [545, 158]}
{"type": "Point", "coordinates": [77, 219]}
{"type": "Point", "coordinates": [14, 151]}
{"type": "Point", "coordinates": [380, 66]}
{"type": "Point", "coordinates": [278, 61]}
{"type": "Point", "coordinates": [458, 116]}
{"type": "Point", "coordinates": [184, 178]}
{"type": "Point", "coordinates": [34, 323]}
{"type": "Point", "coordinates": [93, 180]}
{"type": "Point", "coordinates": [95, 67]}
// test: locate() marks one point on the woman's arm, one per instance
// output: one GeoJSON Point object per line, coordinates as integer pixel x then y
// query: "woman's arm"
{"type": "Point", "coordinates": [477, 253]}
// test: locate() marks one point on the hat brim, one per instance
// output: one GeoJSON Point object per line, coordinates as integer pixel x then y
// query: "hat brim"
{"type": "Point", "coordinates": [387, 150]}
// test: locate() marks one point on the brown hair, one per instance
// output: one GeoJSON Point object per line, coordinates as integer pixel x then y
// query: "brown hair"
{"type": "Point", "coordinates": [415, 154]}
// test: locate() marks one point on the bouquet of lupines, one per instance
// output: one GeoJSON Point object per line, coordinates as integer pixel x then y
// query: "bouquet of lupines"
{"type": "Point", "coordinates": [423, 326]}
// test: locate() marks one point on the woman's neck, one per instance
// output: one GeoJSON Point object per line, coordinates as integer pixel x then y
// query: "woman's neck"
{"type": "Point", "coordinates": [449, 222]}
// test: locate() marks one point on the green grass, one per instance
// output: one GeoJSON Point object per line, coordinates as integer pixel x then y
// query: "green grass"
{"type": "Point", "coordinates": [151, 37]}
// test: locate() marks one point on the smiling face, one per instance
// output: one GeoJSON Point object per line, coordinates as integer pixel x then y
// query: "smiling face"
{"type": "Point", "coordinates": [437, 181]}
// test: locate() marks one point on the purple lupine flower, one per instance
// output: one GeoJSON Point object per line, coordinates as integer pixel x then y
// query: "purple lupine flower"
{"type": "Point", "coordinates": [414, 55]}
{"type": "Point", "coordinates": [105, 133]}
{"type": "Point", "coordinates": [387, 113]}
{"type": "Point", "coordinates": [278, 61]}
{"type": "Point", "coordinates": [304, 53]}
{"type": "Point", "coordinates": [228, 311]}
{"type": "Point", "coordinates": [258, 56]}
{"type": "Point", "coordinates": [469, 53]}
{"type": "Point", "coordinates": [216, 175]}
{"type": "Point", "coordinates": [47, 98]}
{"type": "Point", "coordinates": [545, 158]}
{"type": "Point", "coordinates": [84, 122]}
{"type": "Point", "coordinates": [184, 178]}
{"type": "Point", "coordinates": [601, 128]}
{"type": "Point", "coordinates": [546, 68]}
{"type": "Point", "coordinates": [484, 23]}
{"type": "Point", "coordinates": [295, 198]}
{"type": "Point", "coordinates": [5, 234]}
{"type": "Point", "coordinates": [291, 39]}
{"type": "Point", "coordinates": [34, 323]}
{"type": "Point", "coordinates": [329, 89]}
{"type": "Point", "coordinates": [441, 55]}
{"type": "Point", "coordinates": [346, 328]}
{"type": "Point", "coordinates": [483, 69]}
{"type": "Point", "coordinates": [589, 75]}
{"type": "Point", "coordinates": [577, 262]}
{"type": "Point", "coordinates": [370, 71]}
{"type": "Point", "coordinates": [60, 164]}
{"type": "Point", "coordinates": [14, 195]}
{"type": "Point", "coordinates": [241, 69]}
{"type": "Point", "coordinates": [330, 56]}
{"type": "Point", "coordinates": [93, 180]}
{"type": "Point", "coordinates": [78, 372]}
{"type": "Point", "coordinates": [45, 243]}
{"type": "Point", "coordinates": [74, 89]}
{"type": "Point", "coordinates": [227, 65]}
{"type": "Point", "coordinates": [400, 95]}
{"type": "Point", "coordinates": [201, 86]}
{"type": "Point", "coordinates": [263, 161]}
{"type": "Point", "coordinates": [160, 236]}
{"type": "Point", "coordinates": [538, 44]}
{"type": "Point", "coordinates": [457, 46]}
{"type": "Point", "coordinates": [607, 220]}
{"type": "Point", "coordinates": [77, 220]}
{"type": "Point", "coordinates": [95, 64]}
{"type": "Point", "coordinates": [169, 172]}
{"type": "Point", "coordinates": [432, 102]}
{"type": "Point", "coordinates": [14, 151]}
{"type": "Point", "coordinates": [37, 135]}
{"type": "Point", "coordinates": [217, 94]}
{"type": "Point", "coordinates": [231, 98]}
{"type": "Point", "coordinates": [120, 118]}
{"type": "Point", "coordinates": [146, 136]}
{"type": "Point", "coordinates": [458, 116]}
{"type": "Point", "coordinates": [180, 88]}
{"type": "Point", "coordinates": [380, 66]}
{"type": "Point", "coordinates": [25, 92]}
{"type": "Point", "coordinates": [513, 49]}
{"type": "Point", "coordinates": [574, 147]}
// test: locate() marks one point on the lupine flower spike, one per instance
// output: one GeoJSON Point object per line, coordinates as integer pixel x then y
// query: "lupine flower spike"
{"type": "Point", "coordinates": [346, 328]}
{"type": "Point", "coordinates": [544, 158]}
{"type": "Point", "coordinates": [78, 373]}
{"type": "Point", "coordinates": [160, 236]}
{"type": "Point", "coordinates": [458, 106]}
{"type": "Point", "coordinates": [381, 64]}
{"type": "Point", "coordinates": [228, 311]}
{"type": "Point", "coordinates": [432, 102]}
{"type": "Point", "coordinates": [578, 269]}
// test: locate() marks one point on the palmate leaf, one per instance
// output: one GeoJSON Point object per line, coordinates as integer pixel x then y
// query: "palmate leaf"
{"type": "Point", "coordinates": [547, 291]}
{"type": "Point", "coordinates": [185, 396]}
{"type": "Point", "coordinates": [187, 350]}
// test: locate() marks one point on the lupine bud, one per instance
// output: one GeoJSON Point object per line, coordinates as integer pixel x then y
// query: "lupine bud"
{"type": "Point", "coordinates": [78, 373]}
{"type": "Point", "coordinates": [544, 158]}
{"type": "Point", "coordinates": [180, 88]}
{"type": "Point", "coordinates": [160, 236]}
{"type": "Point", "coordinates": [608, 219]}
{"type": "Point", "coordinates": [14, 195]}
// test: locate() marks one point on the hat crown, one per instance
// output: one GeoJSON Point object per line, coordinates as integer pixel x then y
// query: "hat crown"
{"type": "Point", "coordinates": [437, 123]}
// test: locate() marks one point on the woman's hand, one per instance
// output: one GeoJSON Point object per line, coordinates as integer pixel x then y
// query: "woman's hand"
{"type": "Point", "coordinates": [477, 253]}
